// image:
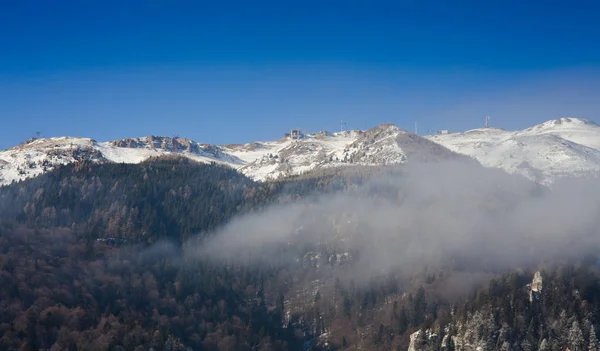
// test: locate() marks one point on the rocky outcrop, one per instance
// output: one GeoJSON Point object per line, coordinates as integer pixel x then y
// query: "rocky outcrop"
{"type": "Point", "coordinates": [535, 289]}
{"type": "Point", "coordinates": [417, 341]}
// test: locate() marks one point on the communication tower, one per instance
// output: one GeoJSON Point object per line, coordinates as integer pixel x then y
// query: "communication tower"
{"type": "Point", "coordinates": [416, 129]}
{"type": "Point", "coordinates": [342, 124]}
{"type": "Point", "coordinates": [487, 121]}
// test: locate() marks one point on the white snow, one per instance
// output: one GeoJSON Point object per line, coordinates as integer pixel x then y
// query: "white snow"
{"type": "Point", "coordinates": [261, 160]}
{"type": "Point", "coordinates": [545, 152]}
{"type": "Point", "coordinates": [34, 158]}
{"type": "Point", "coordinates": [271, 160]}
{"type": "Point", "coordinates": [126, 155]}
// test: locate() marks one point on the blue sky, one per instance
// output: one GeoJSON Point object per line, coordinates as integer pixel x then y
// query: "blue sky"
{"type": "Point", "coordinates": [229, 71]}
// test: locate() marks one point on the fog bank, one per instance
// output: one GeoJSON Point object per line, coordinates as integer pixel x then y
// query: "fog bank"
{"type": "Point", "coordinates": [429, 214]}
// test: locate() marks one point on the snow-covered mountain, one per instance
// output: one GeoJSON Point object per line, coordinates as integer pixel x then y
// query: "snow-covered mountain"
{"type": "Point", "coordinates": [382, 145]}
{"type": "Point", "coordinates": [37, 156]}
{"type": "Point", "coordinates": [545, 152]}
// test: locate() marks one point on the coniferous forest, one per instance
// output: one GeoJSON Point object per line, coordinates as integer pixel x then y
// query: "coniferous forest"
{"type": "Point", "coordinates": [92, 258]}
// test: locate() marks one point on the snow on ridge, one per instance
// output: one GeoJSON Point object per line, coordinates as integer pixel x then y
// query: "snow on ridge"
{"type": "Point", "coordinates": [37, 156]}
{"type": "Point", "coordinates": [563, 122]}
{"type": "Point", "coordinates": [557, 148]}
{"type": "Point", "coordinates": [577, 130]}
{"type": "Point", "coordinates": [288, 156]}
{"type": "Point", "coordinates": [554, 149]}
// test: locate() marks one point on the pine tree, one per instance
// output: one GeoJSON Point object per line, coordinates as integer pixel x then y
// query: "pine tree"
{"type": "Point", "coordinates": [380, 333]}
{"type": "Point", "coordinates": [593, 341]}
{"type": "Point", "coordinates": [575, 338]}
{"type": "Point", "coordinates": [402, 321]}
{"type": "Point", "coordinates": [419, 307]}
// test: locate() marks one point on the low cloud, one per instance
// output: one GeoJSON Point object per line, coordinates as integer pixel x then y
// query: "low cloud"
{"type": "Point", "coordinates": [426, 214]}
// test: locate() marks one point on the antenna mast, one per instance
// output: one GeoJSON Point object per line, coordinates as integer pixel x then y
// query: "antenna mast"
{"type": "Point", "coordinates": [416, 129]}
{"type": "Point", "coordinates": [342, 124]}
{"type": "Point", "coordinates": [487, 121]}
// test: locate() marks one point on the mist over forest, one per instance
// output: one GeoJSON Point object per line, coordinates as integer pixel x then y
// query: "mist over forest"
{"type": "Point", "coordinates": [425, 215]}
{"type": "Point", "coordinates": [170, 254]}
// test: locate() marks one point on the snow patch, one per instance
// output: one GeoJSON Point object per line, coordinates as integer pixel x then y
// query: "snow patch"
{"type": "Point", "coordinates": [555, 149]}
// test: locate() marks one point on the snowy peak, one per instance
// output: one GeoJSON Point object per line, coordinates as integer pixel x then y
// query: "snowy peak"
{"type": "Point", "coordinates": [384, 130]}
{"type": "Point", "coordinates": [55, 143]}
{"type": "Point", "coordinates": [545, 152]}
{"type": "Point", "coordinates": [295, 153]}
{"type": "Point", "coordinates": [187, 147]}
{"type": "Point", "coordinates": [554, 149]}
{"type": "Point", "coordinates": [577, 130]}
{"type": "Point", "coordinates": [561, 123]}
{"type": "Point", "coordinates": [37, 156]}
{"type": "Point", "coordinates": [385, 144]}
{"type": "Point", "coordinates": [376, 146]}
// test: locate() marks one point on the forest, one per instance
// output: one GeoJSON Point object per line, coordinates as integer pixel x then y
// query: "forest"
{"type": "Point", "coordinates": [92, 258]}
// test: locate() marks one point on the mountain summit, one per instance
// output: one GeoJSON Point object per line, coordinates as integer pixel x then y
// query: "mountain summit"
{"type": "Point", "coordinates": [294, 154]}
{"type": "Point", "coordinates": [545, 152]}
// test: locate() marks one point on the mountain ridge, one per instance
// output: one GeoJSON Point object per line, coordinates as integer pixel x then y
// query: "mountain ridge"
{"type": "Point", "coordinates": [544, 152]}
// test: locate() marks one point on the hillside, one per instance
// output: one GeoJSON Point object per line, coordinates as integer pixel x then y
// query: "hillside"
{"type": "Point", "coordinates": [36, 156]}
{"type": "Point", "coordinates": [382, 145]}
{"type": "Point", "coordinates": [165, 197]}
{"type": "Point", "coordinates": [102, 255]}
{"type": "Point", "coordinates": [546, 152]}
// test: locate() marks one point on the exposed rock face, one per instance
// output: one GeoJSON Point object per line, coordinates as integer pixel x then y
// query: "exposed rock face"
{"type": "Point", "coordinates": [425, 340]}
{"type": "Point", "coordinates": [559, 148]}
{"type": "Point", "coordinates": [536, 286]}
{"type": "Point", "coordinates": [416, 341]}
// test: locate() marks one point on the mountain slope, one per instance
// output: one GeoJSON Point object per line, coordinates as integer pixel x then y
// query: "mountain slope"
{"type": "Point", "coordinates": [545, 152]}
{"type": "Point", "coordinates": [163, 198]}
{"type": "Point", "coordinates": [36, 156]}
{"type": "Point", "coordinates": [374, 147]}
{"type": "Point", "coordinates": [382, 145]}
{"type": "Point", "coordinates": [576, 130]}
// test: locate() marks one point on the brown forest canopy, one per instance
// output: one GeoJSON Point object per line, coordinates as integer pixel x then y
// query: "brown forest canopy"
{"type": "Point", "coordinates": [62, 289]}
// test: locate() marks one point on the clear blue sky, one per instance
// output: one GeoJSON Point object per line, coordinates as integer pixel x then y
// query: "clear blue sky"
{"type": "Point", "coordinates": [225, 71]}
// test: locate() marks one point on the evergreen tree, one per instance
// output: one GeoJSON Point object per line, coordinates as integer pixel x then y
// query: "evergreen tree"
{"type": "Point", "coordinates": [419, 307]}
{"type": "Point", "coordinates": [575, 337]}
{"type": "Point", "coordinates": [402, 320]}
{"type": "Point", "coordinates": [593, 341]}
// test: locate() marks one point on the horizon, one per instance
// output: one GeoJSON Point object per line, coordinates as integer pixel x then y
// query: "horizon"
{"type": "Point", "coordinates": [304, 132]}
{"type": "Point", "coordinates": [237, 73]}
